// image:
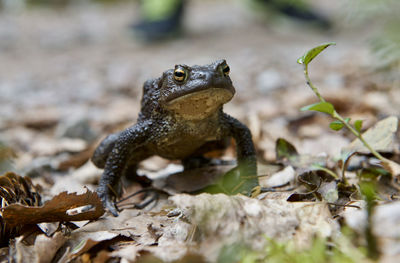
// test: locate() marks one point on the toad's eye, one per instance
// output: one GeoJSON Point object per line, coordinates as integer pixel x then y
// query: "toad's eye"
{"type": "Point", "coordinates": [180, 74]}
{"type": "Point", "coordinates": [225, 70]}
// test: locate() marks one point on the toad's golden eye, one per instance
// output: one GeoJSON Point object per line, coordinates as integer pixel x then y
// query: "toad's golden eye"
{"type": "Point", "coordinates": [180, 74]}
{"type": "Point", "coordinates": [225, 69]}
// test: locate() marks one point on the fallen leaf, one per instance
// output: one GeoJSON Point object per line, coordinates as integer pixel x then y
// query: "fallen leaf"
{"type": "Point", "coordinates": [129, 223]}
{"type": "Point", "coordinates": [46, 146]}
{"type": "Point", "coordinates": [329, 191]}
{"type": "Point", "coordinates": [188, 258]}
{"type": "Point", "coordinates": [164, 236]}
{"type": "Point", "coordinates": [195, 179]}
{"type": "Point", "coordinates": [49, 228]}
{"type": "Point", "coordinates": [282, 177]}
{"type": "Point", "coordinates": [90, 241]}
{"type": "Point", "coordinates": [285, 150]}
{"type": "Point", "coordinates": [63, 207]}
{"type": "Point", "coordinates": [46, 247]}
{"type": "Point", "coordinates": [287, 154]}
{"type": "Point", "coordinates": [318, 183]}
{"type": "Point", "coordinates": [301, 197]}
{"type": "Point", "coordinates": [76, 160]}
{"type": "Point", "coordinates": [43, 250]}
{"type": "Point", "coordinates": [394, 169]}
{"type": "Point", "coordinates": [102, 257]}
{"type": "Point", "coordinates": [40, 118]}
{"type": "Point", "coordinates": [238, 219]}
{"type": "Point", "coordinates": [379, 137]}
{"type": "Point", "coordinates": [391, 167]}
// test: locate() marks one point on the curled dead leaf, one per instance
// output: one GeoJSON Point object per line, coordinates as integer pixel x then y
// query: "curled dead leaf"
{"type": "Point", "coordinates": [63, 207]}
{"type": "Point", "coordinates": [320, 184]}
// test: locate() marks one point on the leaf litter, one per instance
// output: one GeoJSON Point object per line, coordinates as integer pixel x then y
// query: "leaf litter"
{"type": "Point", "coordinates": [200, 227]}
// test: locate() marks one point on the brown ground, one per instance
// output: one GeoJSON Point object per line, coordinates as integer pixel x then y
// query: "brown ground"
{"type": "Point", "coordinates": [62, 66]}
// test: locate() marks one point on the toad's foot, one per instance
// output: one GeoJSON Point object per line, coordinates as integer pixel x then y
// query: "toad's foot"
{"type": "Point", "coordinates": [107, 201]}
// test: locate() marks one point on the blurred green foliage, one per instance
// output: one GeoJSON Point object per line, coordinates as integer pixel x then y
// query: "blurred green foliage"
{"type": "Point", "coordinates": [67, 2]}
{"type": "Point", "coordinates": [55, 2]}
{"type": "Point", "coordinates": [368, 190]}
{"type": "Point", "coordinates": [321, 250]}
{"type": "Point", "coordinates": [383, 21]}
{"type": "Point", "coordinates": [10, 5]}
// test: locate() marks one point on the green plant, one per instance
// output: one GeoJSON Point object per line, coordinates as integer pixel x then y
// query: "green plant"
{"type": "Point", "coordinates": [328, 108]}
{"type": "Point", "coordinates": [375, 138]}
{"type": "Point", "coordinates": [320, 250]}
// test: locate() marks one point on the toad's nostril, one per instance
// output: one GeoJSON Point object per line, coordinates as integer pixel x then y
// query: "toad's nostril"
{"type": "Point", "coordinates": [202, 76]}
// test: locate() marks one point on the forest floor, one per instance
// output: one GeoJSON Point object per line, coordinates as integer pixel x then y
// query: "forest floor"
{"type": "Point", "coordinates": [70, 76]}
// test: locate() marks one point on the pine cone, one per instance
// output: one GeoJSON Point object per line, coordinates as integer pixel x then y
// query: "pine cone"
{"type": "Point", "coordinates": [15, 189]}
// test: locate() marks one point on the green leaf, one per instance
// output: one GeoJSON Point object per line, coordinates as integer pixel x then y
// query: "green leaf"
{"type": "Point", "coordinates": [358, 125]}
{"type": "Point", "coordinates": [347, 120]}
{"type": "Point", "coordinates": [284, 149]}
{"type": "Point", "coordinates": [312, 53]}
{"type": "Point", "coordinates": [336, 125]}
{"type": "Point", "coordinates": [324, 107]}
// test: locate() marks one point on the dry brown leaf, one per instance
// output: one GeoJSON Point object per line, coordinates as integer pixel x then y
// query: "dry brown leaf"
{"type": "Point", "coordinates": [60, 208]}
{"type": "Point", "coordinates": [392, 167]}
{"type": "Point", "coordinates": [49, 228]}
{"type": "Point", "coordinates": [282, 177]}
{"type": "Point", "coordinates": [195, 179]}
{"type": "Point", "coordinates": [162, 235]}
{"type": "Point", "coordinates": [46, 247]}
{"type": "Point", "coordinates": [128, 224]}
{"type": "Point", "coordinates": [41, 118]}
{"type": "Point", "coordinates": [129, 253]}
{"type": "Point", "coordinates": [91, 240]}
{"type": "Point", "coordinates": [76, 160]}
{"type": "Point", "coordinates": [379, 137]}
{"type": "Point", "coordinates": [42, 251]}
{"type": "Point", "coordinates": [102, 257]}
{"type": "Point", "coordinates": [222, 219]}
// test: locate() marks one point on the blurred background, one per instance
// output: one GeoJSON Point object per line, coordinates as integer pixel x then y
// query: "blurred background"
{"type": "Point", "coordinates": [71, 71]}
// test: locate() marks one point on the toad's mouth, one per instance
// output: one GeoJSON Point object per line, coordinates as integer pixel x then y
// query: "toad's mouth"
{"type": "Point", "coordinates": [199, 104]}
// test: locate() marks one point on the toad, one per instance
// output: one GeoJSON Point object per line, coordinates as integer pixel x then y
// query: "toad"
{"type": "Point", "coordinates": [181, 118]}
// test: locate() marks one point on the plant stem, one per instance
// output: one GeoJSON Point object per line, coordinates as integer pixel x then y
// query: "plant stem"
{"type": "Point", "coordinates": [309, 83]}
{"type": "Point", "coordinates": [369, 192]}
{"type": "Point", "coordinates": [336, 115]}
{"type": "Point", "coordinates": [359, 136]}
{"type": "Point", "coordinates": [327, 171]}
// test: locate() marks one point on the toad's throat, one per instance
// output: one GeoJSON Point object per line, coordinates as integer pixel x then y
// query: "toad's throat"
{"type": "Point", "coordinates": [201, 104]}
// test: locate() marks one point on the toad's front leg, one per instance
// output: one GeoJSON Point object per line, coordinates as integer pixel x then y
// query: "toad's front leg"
{"type": "Point", "coordinates": [128, 141]}
{"type": "Point", "coordinates": [243, 178]}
